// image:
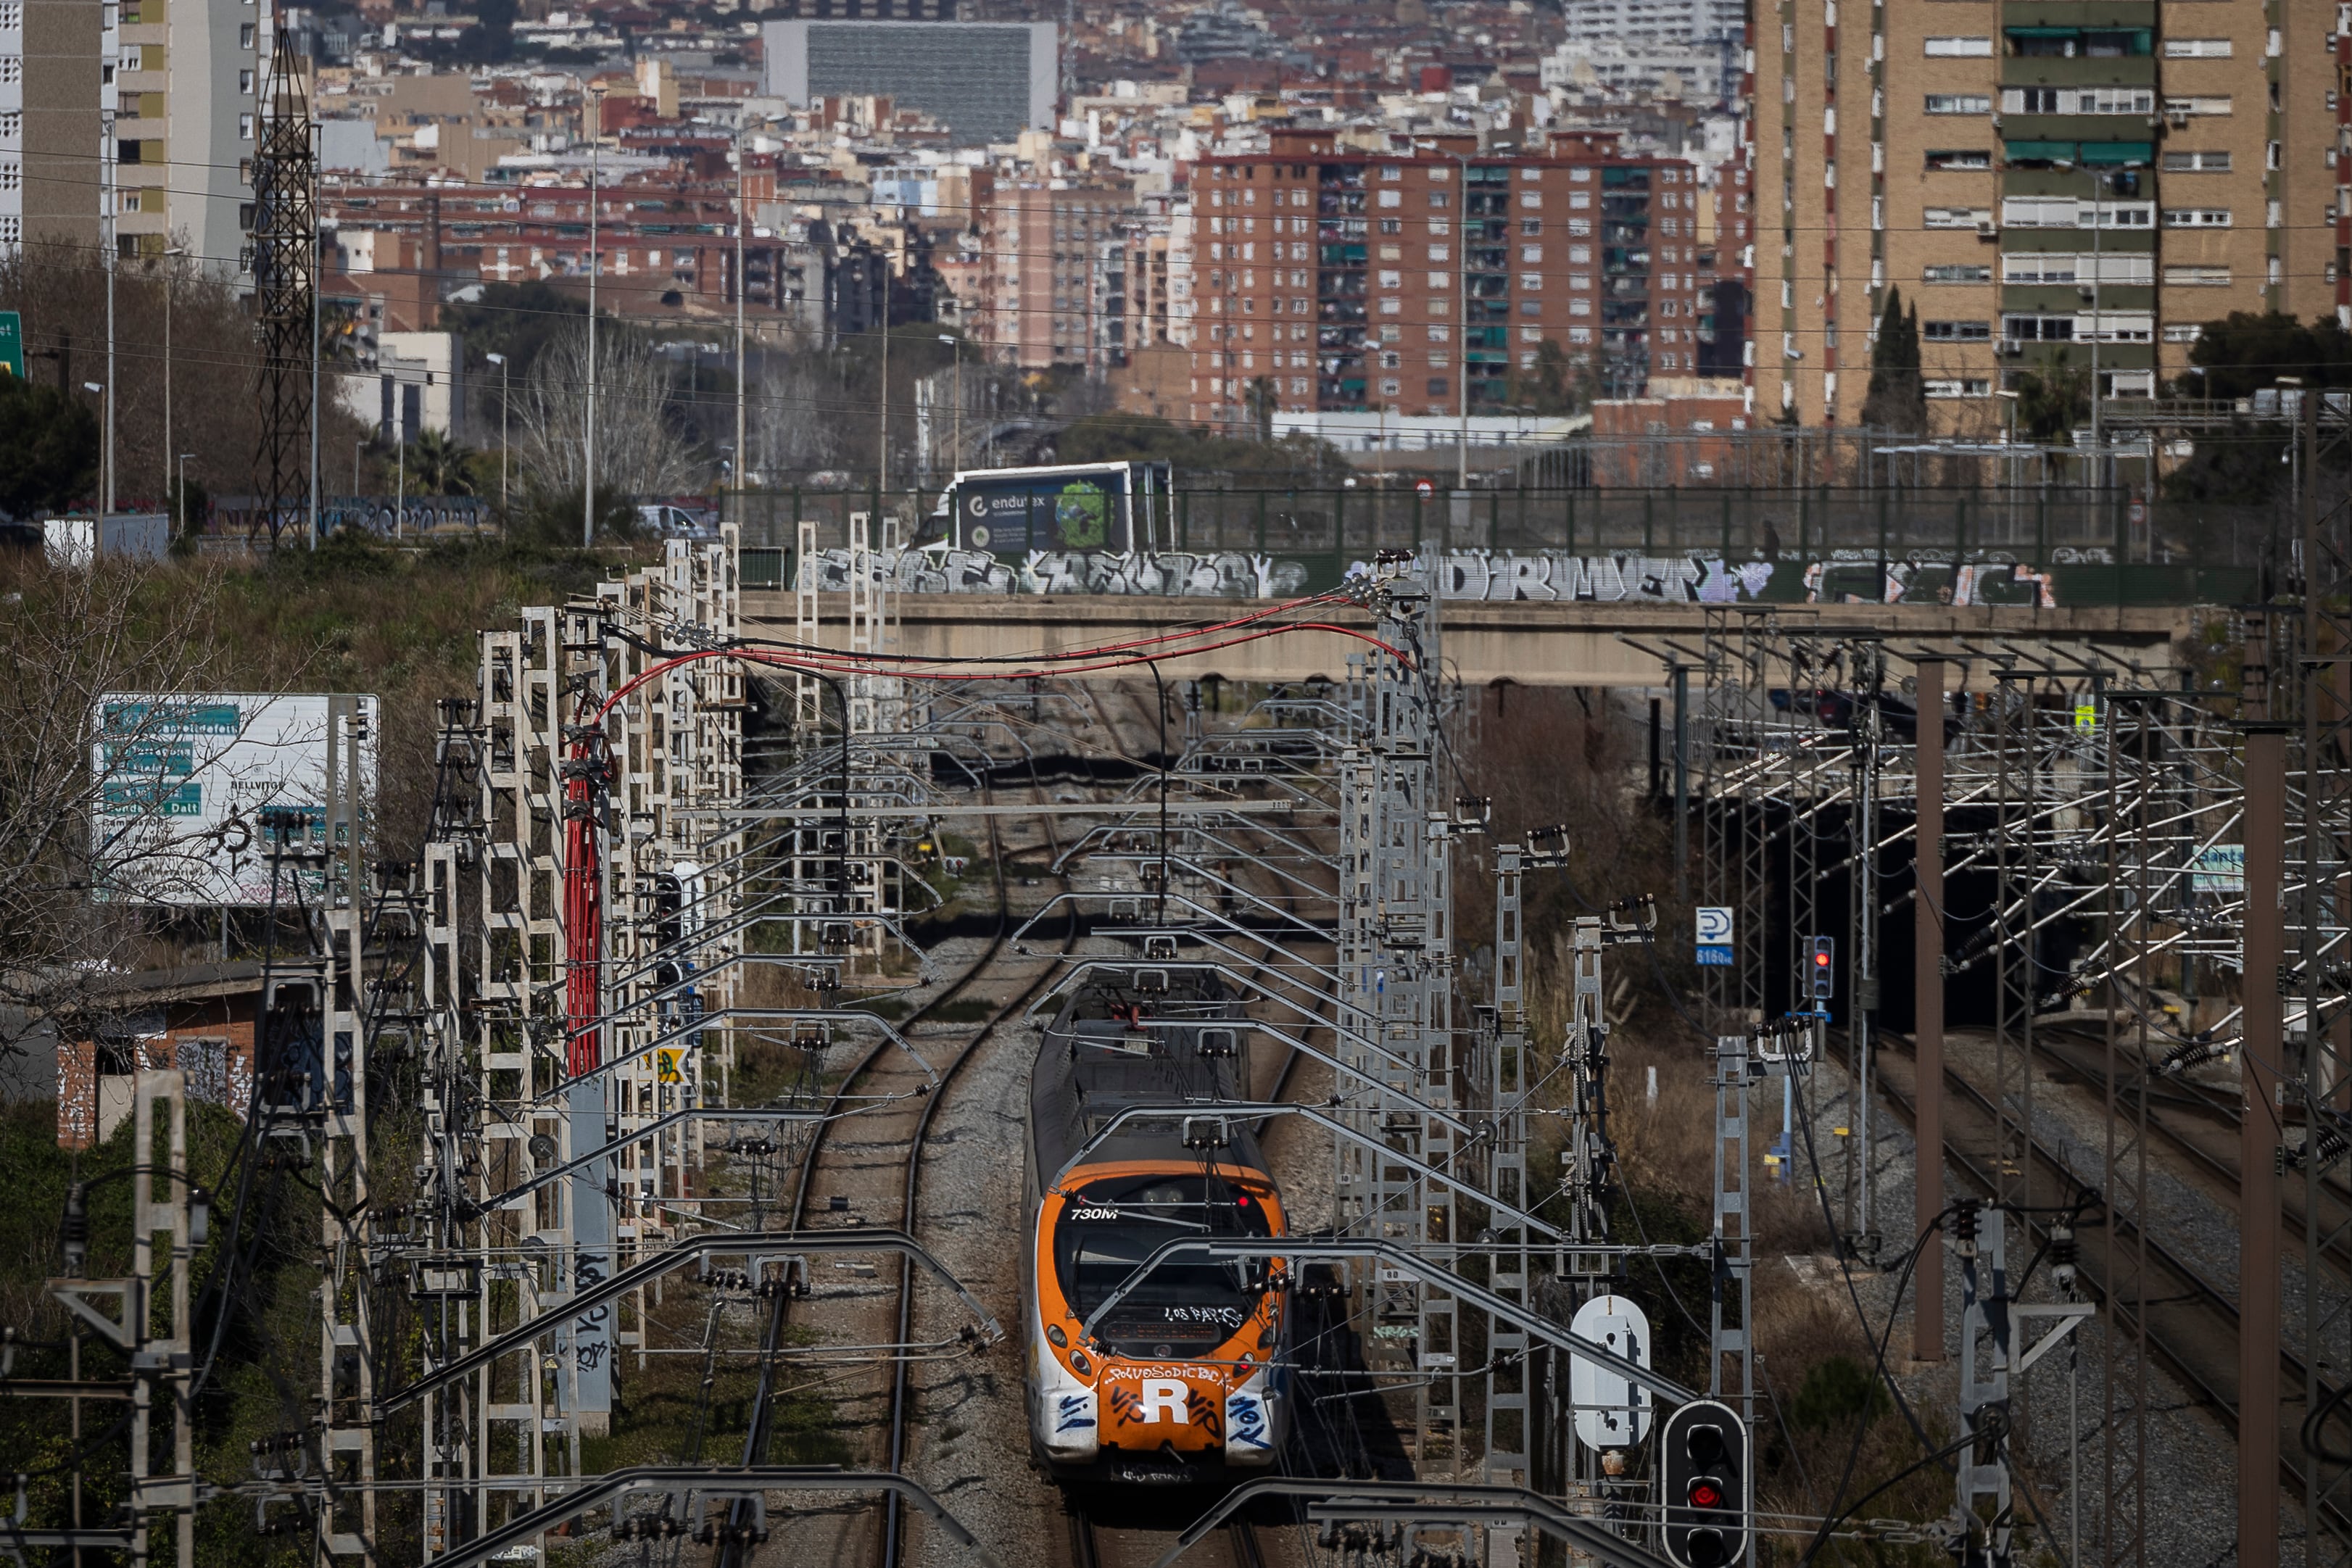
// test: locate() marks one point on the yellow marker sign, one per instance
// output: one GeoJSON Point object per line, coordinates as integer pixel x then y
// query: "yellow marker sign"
{"type": "Point", "coordinates": [2086, 715]}
{"type": "Point", "coordinates": [669, 1064]}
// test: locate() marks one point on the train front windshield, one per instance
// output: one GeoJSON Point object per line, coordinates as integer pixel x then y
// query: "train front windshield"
{"type": "Point", "coordinates": [1106, 1231]}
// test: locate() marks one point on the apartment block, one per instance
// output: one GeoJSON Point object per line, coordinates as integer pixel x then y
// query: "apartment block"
{"type": "Point", "coordinates": [55, 65]}
{"type": "Point", "coordinates": [187, 92]}
{"type": "Point", "coordinates": [1040, 303]}
{"type": "Point", "coordinates": [1337, 279]}
{"type": "Point", "coordinates": [2077, 180]}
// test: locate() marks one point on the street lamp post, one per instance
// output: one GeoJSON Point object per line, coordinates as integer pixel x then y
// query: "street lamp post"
{"type": "Point", "coordinates": [955, 460]}
{"type": "Point", "coordinates": [1462, 308]}
{"type": "Point", "coordinates": [171, 279]}
{"type": "Point", "coordinates": [105, 486]}
{"type": "Point", "coordinates": [595, 148]}
{"type": "Point", "coordinates": [740, 288]}
{"type": "Point", "coordinates": [184, 490]}
{"type": "Point", "coordinates": [500, 361]}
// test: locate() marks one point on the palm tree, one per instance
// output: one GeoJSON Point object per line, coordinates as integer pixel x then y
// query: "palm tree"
{"type": "Point", "coordinates": [440, 465]}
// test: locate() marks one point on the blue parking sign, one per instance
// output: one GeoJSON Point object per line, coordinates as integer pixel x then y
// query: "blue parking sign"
{"type": "Point", "coordinates": [1714, 936]}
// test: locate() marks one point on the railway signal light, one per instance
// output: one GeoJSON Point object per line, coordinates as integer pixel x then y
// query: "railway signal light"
{"type": "Point", "coordinates": [1702, 1474]}
{"type": "Point", "coordinates": [1824, 968]}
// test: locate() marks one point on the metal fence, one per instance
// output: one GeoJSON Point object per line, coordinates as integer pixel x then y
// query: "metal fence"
{"type": "Point", "coordinates": [2174, 550]}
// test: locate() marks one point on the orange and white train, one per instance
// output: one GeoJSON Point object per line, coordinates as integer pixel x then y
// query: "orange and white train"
{"type": "Point", "coordinates": [1184, 1381]}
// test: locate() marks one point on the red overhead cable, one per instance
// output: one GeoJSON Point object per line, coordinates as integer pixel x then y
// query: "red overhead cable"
{"type": "Point", "coordinates": [584, 905]}
{"type": "Point", "coordinates": [1078, 662]}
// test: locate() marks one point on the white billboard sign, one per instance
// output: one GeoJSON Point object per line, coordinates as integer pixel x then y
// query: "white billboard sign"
{"type": "Point", "coordinates": [1610, 1411]}
{"type": "Point", "coordinates": [199, 797]}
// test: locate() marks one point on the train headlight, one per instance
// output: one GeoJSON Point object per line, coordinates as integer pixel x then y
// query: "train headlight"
{"type": "Point", "coordinates": [1080, 1364]}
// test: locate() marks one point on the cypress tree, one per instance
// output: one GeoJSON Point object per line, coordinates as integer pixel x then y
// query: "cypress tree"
{"type": "Point", "coordinates": [1897, 399]}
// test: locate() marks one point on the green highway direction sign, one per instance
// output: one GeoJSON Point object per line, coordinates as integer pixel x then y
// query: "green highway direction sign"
{"type": "Point", "coordinates": [12, 343]}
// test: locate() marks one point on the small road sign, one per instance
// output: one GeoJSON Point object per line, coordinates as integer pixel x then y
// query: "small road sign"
{"type": "Point", "coordinates": [1715, 935]}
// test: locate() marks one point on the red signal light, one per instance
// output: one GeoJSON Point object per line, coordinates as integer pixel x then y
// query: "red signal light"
{"type": "Point", "coordinates": [1706, 1494]}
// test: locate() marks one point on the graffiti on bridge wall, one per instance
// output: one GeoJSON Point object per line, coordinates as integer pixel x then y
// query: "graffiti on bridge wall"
{"type": "Point", "coordinates": [1509, 576]}
{"type": "Point", "coordinates": [1928, 582]}
{"type": "Point", "coordinates": [1223, 574]}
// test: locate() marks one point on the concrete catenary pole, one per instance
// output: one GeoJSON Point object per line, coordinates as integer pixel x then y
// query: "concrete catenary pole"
{"type": "Point", "coordinates": [2258, 1141]}
{"type": "Point", "coordinates": [1927, 1026]}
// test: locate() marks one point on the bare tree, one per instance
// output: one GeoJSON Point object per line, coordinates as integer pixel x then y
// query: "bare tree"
{"type": "Point", "coordinates": [639, 449]}
{"type": "Point", "coordinates": [60, 291]}
{"type": "Point", "coordinates": [74, 783]}
{"type": "Point", "coordinates": [796, 428]}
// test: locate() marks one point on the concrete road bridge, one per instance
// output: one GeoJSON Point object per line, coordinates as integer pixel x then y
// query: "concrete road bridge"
{"type": "Point", "coordinates": [1534, 644]}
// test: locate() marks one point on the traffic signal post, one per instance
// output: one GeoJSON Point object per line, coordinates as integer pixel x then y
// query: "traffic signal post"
{"type": "Point", "coordinates": [1706, 1495]}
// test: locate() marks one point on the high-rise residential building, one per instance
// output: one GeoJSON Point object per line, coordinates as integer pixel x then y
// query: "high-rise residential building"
{"type": "Point", "coordinates": [187, 93]}
{"type": "Point", "coordinates": [1639, 22]}
{"type": "Point", "coordinates": [985, 81]}
{"type": "Point", "coordinates": [1330, 278]}
{"type": "Point", "coordinates": [56, 70]}
{"type": "Point", "coordinates": [1040, 303]}
{"type": "Point", "coordinates": [2044, 181]}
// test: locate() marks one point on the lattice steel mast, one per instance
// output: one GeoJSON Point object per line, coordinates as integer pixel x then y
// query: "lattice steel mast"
{"type": "Point", "coordinates": [282, 258]}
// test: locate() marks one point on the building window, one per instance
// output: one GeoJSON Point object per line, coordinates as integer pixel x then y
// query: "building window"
{"type": "Point", "coordinates": [1530, 308]}
{"type": "Point", "coordinates": [244, 128]}
{"type": "Point", "coordinates": [1962, 48]}
{"type": "Point", "coordinates": [1532, 255]}
{"type": "Point", "coordinates": [1437, 385]}
{"type": "Point", "coordinates": [1959, 103]}
{"type": "Point", "coordinates": [2196, 277]}
{"type": "Point", "coordinates": [2183, 331]}
{"type": "Point", "coordinates": [1392, 198]}
{"type": "Point", "coordinates": [1440, 334]}
{"type": "Point", "coordinates": [1440, 198]}
{"type": "Point", "coordinates": [1531, 198]}
{"type": "Point", "coordinates": [2197, 48]}
{"type": "Point", "coordinates": [2210, 162]}
{"type": "Point", "coordinates": [1392, 387]}
{"type": "Point", "coordinates": [1958, 272]}
{"type": "Point", "coordinates": [1955, 217]}
{"type": "Point", "coordinates": [2037, 328]}
{"type": "Point", "coordinates": [1441, 253]}
{"type": "Point", "coordinates": [1529, 282]}
{"type": "Point", "coordinates": [1956, 331]}
{"type": "Point", "coordinates": [2196, 217]}
{"type": "Point", "coordinates": [1531, 227]}
{"type": "Point", "coordinates": [1969, 386]}
{"type": "Point", "coordinates": [1950, 160]}
{"type": "Point", "coordinates": [2187, 106]}
{"type": "Point", "coordinates": [244, 84]}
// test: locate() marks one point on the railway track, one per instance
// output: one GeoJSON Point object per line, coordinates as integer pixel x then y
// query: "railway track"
{"type": "Point", "coordinates": [842, 1182]}
{"type": "Point", "coordinates": [2202, 1128]}
{"type": "Point", "coordinates": [1097, 1545]}
{"type": "Point", "coordinates": [2191, 1327]}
